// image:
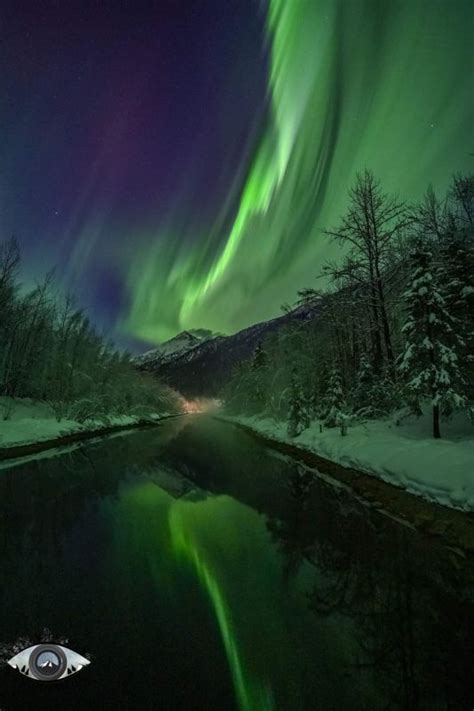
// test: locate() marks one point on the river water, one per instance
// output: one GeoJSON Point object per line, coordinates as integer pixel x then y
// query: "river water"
{"type": "Point", "coordinates": [201, 570]}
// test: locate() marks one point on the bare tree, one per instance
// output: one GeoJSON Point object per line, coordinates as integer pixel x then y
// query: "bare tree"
{"type": "Point", "coordinates": [370, 228]}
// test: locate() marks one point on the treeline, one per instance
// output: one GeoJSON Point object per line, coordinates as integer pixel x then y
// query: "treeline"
{"type": "Point", "coordinates": [49, 351]}
{"type": "Point", "coordinates": [394, 327]}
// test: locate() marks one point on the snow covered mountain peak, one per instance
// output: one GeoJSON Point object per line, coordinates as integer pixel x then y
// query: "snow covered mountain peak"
{"type": "Point", "coordinates": [174, 347]}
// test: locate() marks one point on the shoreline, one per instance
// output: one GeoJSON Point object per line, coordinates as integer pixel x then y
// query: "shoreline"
{"type": "Point", "coordinates": [453, 526]}
{"type": "Point", "coordinates": [28, 448]}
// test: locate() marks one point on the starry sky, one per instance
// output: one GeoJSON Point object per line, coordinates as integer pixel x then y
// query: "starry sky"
{"type": "Point", "coordinates": [177, 160]}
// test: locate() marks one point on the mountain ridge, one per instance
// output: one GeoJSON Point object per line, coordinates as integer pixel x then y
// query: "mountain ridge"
{"type": "Point", "coordinates": [168, 350]}
{"type": "Point", "coordinates": [203, 369]}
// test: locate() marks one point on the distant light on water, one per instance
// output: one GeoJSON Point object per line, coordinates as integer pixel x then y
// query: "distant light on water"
{"type": "Point", "coordinates": [201, 405]}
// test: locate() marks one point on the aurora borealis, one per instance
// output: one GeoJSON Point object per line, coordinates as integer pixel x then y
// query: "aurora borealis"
{"type": "Point", "coordinates": [178, 161]}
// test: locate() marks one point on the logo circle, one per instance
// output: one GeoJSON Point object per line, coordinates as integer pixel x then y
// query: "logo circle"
{"type": "Point", "coordinates": [48, 662]}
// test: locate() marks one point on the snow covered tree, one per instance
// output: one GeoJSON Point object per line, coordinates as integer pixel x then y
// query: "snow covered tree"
{"type": "Point", "coordinates": [430, 361]}
{"type": "Point", "coordinates": [312, 400]}
{"type": "Point", "coordinates": [335, 401]}
{"type": "Point", "coordinates": [297, 418]}
{"type": "Point", "coordinates": [457, 254]}
{"type": "Point", "coordinates": [361, 394]}
{"type": "Point", "coordinates": [373, 394]}
{"type": "Point", "coordinates": [316, 400]}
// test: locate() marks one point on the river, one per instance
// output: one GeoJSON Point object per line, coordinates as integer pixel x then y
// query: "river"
{"type": "Point", "coordinates": [201, 570]}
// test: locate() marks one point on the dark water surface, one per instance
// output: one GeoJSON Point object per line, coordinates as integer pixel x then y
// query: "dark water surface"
{"type": "Point", "coordinates": [203, 571]}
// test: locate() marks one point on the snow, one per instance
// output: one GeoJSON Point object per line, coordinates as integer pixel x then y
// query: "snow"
{"type": "Point", "coordinates": [174, 347]}
{"type": "Point", "coordinates": [405, 455]}
{"type": "Point", "coordinates": [30, 421]}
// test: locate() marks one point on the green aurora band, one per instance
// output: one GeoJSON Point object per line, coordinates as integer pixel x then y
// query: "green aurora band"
{"type": "Point", "coordinates": [352, 84]}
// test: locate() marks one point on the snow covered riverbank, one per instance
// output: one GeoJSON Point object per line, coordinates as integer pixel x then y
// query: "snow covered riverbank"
{"type": "Point", "coordinates": [32, 423]}
{"type": "Point", "coordinates": [438, 470]}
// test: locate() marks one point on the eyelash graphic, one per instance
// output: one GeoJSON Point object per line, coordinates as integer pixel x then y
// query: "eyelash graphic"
{"type": "Point", "coordinates": [48, 662]}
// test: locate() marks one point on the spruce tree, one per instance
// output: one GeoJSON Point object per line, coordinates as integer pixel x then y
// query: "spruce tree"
{"type": "Point", "coordinates": [374, 393]}
{"type": "Point", "coordinates": [258, 379]}
{"type": "Point", "coordinates": [319, 390]}
{"type": "Point", "coordinates": [457, 254]}
{"type": "Point", "coordinates": [296, 416]}
{"type": "Point", "coordinates": [430, 361]}
{"type": "Point", "coordinates": [335, 401]}
{"type": "Point", "coordinates": [361, 395]}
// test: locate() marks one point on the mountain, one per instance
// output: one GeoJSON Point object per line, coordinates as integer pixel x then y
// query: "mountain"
{"type": "Point", "coordinates": [169, 350]}
{"type": "Point", "coordinates": [203, 368]}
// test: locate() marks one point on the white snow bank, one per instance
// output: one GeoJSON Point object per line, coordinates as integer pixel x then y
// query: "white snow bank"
{"type": "Point", "coordinates": [404, 455]}
{"type": "Point", "coordinates": [31, 421]}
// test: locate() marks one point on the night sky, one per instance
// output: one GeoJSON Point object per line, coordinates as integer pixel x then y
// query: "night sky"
{"type": "Point", "coordinates": [177, 160]}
